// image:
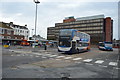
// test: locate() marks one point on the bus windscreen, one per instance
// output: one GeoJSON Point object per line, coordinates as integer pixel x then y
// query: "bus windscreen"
{"type": "Point", "coordinates": [65, 32]}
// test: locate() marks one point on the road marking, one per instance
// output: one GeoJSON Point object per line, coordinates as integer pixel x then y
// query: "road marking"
{"type": "Point", "coordinates": [11, 55]}
{"type": "Point", "coordinates": [57, 59]}
{"type": "Point", "coordinates": [117, 68]}
{"type": "Point", "coordinates": [67, 57]}
{"type": "Point", "coordinates": [37, 53]}
{"type": "Point", "coordinates": [77, 58]}
{"type": "Point", "coordinates": [104, 66]}
{"type": "Point", "coordinates": [53, 56]}
{"type": "Point", "coordinates": [48, 54]}
{"type": "Point", "coordinates": [113, 63]}
{"type": "Point", "coordinates": [88, 64]}
{"type": "Point", "coordinates": [60, 56]}
{"type": "Point", "coordinates": [87, 60]}
{"type": "Point", "coordinates": [99, 61]}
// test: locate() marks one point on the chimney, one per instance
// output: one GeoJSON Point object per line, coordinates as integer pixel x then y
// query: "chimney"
{"type": "Point", "coordinates": [25, 25]}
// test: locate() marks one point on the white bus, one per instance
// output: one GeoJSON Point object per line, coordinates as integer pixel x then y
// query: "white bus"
{"type": "Point", "coordinates": [72, 41]}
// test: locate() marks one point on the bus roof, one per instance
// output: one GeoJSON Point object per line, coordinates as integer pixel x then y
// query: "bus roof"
{"type": "Point", "coordinates": [68, 30]}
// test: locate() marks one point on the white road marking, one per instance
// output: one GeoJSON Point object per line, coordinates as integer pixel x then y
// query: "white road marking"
{"type": "Point", "coordinates": [58, 59]}
{"type": "Point", "coordinates": [37, 53]}
{"type": "Point", "coordinates": [60, 56]}
{"type": "Point", "coordinates": [117, 68]}
{"type": "Point", "coordinates": [53, 56]}
{"type": "Point", "coordinates": [77, 58]}
{"type": "Point", "coordinates": [113, 63]}
{"type": "Point", "coordinates": [67, 57]}
{"type": "Point", "coordinates": [88, 64]}
{"type": "Point", "coordinates": [87, 60]}
{"type": "Point", "coordinates": [48, 54]}
{"type": "Point", "coordinates": [99, 61]}
{"type": "Point", "coordinates": [11, 50]}
{"type": "Point", "coordinates": [11, 55]}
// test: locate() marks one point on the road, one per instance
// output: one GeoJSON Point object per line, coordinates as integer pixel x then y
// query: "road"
{"type": "Point", "coordinates": [24, 62]}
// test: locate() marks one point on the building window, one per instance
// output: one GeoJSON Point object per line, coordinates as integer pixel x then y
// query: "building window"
{"type": "Point", "coordinates": [0, 30]}
{"type": "Point", "coordinates": [8, 32]}
{"type": "Point", "coordinates": [8, 37]}
{"type": "Point", "coordinates": [3, 31]}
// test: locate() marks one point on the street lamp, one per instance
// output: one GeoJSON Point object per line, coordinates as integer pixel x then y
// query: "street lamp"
{"type": "Point", "coordinates": [36, 2]}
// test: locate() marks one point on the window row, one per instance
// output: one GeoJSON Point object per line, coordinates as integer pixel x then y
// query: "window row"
{"type": "Point", "coordinates": [5, 31]}
{"type": "Point", "coordinates": [21, 31]}
{"type": "Point", "coordinates": [92, 32]}
{"type": "Point", "coordinates": [90, 28]}
{"type": "Point", "coordinates": [80, 22]}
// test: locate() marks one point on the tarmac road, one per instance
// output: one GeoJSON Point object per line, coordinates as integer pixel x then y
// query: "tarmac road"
{"type": "Point", "coordinates": [24, 63]}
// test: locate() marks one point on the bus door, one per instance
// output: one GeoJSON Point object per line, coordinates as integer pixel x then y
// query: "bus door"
{"type": "Point", "coordinates": [73, 46]}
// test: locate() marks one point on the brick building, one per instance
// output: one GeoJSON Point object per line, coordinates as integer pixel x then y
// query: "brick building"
{"type": "Point", "coordinates": [99, 27]}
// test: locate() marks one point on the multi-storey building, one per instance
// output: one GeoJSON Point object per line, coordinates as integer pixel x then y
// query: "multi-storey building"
{"type": "Point", "coordinates": [99, 27]}
{"type": "Point", "coordinates": [20, 30]}
{"type": "Point", "coordinates": [13, 33]}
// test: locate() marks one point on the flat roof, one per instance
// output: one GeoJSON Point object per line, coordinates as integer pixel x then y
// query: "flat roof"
{"type": "Point", "coordinates": [90, 17]}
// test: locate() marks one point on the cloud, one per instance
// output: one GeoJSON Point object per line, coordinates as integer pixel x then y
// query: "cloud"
{"type": "Point", "coordinates": [50, 13]}
{"type": "Point", "coordinates": [19, 14]}
{"type": "Point", "coordinates": [61, 0]}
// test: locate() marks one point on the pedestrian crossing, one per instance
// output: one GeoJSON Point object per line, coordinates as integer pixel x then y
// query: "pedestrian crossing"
{"type": "Point", "coordinates": [87, 60]}
{"type": "Point", "coordinates": [113, 63]}
{"type": "Point", "coordinates": [99, 61]}
{"type": "Point", "coordinates": [75, 59]}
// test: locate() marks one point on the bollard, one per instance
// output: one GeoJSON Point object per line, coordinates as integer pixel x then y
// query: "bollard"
{"type": "Point", "coordinates": [45, 47]}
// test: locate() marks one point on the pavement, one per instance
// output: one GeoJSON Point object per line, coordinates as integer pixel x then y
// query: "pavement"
{"type": "Point", "coordinates": [24, 62]}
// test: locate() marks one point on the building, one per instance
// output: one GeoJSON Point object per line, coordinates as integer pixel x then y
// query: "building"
{"type": "Point", "coordinates": [20, 30]}
{"type": "Point", "coordinates": [99, 27]}
{"type": "Point", "coordinates": [13, 33]}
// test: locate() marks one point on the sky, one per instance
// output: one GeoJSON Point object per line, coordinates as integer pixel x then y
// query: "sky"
{"type": "Point", "coordinates": [22, 12]}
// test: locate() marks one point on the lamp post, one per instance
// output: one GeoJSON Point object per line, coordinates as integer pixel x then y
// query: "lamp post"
{"type": "Point", "coordinates": [36, 2]}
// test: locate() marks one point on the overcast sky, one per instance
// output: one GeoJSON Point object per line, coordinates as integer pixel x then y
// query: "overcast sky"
{"type": "Point", "coordinates": [22, 12]}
